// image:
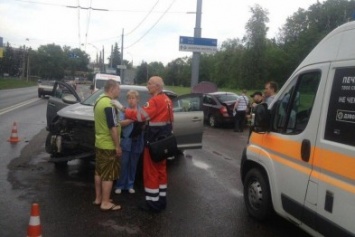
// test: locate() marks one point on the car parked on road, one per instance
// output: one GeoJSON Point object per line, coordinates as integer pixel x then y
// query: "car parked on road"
{"type": "Point", "coordinates": [45, 87]}
{"type": "Point", "coordinates": [70, 121]}
{"type": "Point", "coordinates": [218, 108]}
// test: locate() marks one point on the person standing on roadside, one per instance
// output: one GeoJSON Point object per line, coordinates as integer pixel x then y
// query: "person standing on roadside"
{"type": "Point", "coordinates": [107, 146]}
{"type": "Point", "coordinates": [240, 108]}
{"type": "Point", "coordinates": [132, 145]}
{"type": "Point", "coordinates": [158, 111]}
{"type": "Point", "coordinates": [257, 99]}
{"type": "Point", "coordinates": [270, 91]}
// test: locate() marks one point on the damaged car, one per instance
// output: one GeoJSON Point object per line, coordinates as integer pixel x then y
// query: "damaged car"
{"type": "Point", "coordinates": [71, 129]}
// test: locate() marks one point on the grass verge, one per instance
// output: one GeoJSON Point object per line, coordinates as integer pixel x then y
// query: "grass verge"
{"type": "Point", "coordinates": [11, 83]}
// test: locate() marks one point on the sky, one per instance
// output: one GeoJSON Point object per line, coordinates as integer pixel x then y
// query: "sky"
{"type": "Point", "coordinates": [150, 28]}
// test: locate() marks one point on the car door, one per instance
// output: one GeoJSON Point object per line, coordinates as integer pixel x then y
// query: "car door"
{"type": "Point", "coordinates": [188, 121]}
{"type": "Point", "coordinates": [63, 94]}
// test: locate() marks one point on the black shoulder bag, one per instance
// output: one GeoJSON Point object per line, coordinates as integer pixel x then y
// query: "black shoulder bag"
{"type": "Point", "coordinates": [163, 146]}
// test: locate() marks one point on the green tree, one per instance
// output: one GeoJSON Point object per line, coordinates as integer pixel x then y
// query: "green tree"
{"type": "Point", "coordinates": [115, 58]}
{"type": "Point", "coordinates": [226, 64]}
{"type": "Point", "coordinates": [305, 28]}
{"type": "Point", "coordinates": [254, 67]}
{"type": "Point", "coordinates": [142, 75]}
{"type": "Point", "coordinates": [178, 72]}
{"type": "Point", "coordinates": [75, 60]}
{"type": "Point", "coordinates": [13, 61]}
{"type": "Point", "coordinates": [50, 62]}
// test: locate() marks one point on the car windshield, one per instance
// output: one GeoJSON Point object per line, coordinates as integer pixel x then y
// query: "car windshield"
{"type": "Point", "coordinates": [143, 94]}
{"type": "Point", "coordinates": [227, 97]}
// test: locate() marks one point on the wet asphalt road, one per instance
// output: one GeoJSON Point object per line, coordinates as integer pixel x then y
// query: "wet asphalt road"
{"type": "Point", "coordinates": [204, 190]}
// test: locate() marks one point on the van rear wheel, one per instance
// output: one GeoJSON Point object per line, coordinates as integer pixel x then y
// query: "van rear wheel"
{"type": "Point", "coordinates": [257, 195]}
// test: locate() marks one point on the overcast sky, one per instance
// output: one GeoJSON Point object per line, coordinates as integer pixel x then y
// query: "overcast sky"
{"type": "Point", "coordinates": [151, 27]}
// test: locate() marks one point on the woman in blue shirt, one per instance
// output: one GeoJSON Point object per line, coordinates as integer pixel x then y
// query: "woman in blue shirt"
{"type": "Point", "coordinates": [132, 144]}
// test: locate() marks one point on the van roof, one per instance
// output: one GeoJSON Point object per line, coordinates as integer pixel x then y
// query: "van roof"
{"type": "Point", "coordinates": [337, 45]}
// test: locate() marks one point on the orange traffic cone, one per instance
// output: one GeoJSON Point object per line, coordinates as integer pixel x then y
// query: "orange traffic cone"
{"type": "Point", "coordinates": [34, 227]}
{"type": "Point", "coordinates": [14, 138]}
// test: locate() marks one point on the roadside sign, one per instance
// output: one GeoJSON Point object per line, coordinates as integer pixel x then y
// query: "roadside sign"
{"type": "Point", "coordinates": [193, 44]}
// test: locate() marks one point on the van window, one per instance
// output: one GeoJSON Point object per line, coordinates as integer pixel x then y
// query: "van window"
{"type": "Point", "coordinates": [340, 125]}
{"type": "Point", "coordinates": [293, 108]}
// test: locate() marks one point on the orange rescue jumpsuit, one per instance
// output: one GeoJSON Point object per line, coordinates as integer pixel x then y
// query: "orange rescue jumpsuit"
{"type": "Point", "coordinates": [158, 111]}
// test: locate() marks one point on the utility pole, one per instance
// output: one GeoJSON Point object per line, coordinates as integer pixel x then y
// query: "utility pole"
{"type": "Point", "coordinates": [103, 60]}
{"type": "Point", "coordinates": [121, 70]}
{"type": "Point", "coordinates": [28, 63]}
{"type": "Point", "coordinates": [196, 55]}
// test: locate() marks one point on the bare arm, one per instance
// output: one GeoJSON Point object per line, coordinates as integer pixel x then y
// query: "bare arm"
{"type": "Point", "coordinates": [116, 141]}
{"type": "Point", "coordinates": [126, 122]}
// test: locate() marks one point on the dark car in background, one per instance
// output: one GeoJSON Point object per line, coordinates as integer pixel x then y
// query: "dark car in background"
{"type": "Point", "coordinates": [70, 121]}
{"type": "Point", "coordinates": [218, 108]}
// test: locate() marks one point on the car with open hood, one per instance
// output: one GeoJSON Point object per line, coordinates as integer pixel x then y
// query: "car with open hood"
{"type": "Point", "coordinates": [70, 121]}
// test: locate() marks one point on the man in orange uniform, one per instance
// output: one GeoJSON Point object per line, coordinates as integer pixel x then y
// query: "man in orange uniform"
{"type": "Point", "coordinates": [158, 111]}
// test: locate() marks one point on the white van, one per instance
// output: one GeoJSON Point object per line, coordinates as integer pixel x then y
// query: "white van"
{"type": "Point", "coordinates": [300, 158]}
{"type": "Point", "coordinates": [100, 80]}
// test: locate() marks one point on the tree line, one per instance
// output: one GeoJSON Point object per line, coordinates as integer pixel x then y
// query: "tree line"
{"type": "Point", "coordinates": [246, 62]}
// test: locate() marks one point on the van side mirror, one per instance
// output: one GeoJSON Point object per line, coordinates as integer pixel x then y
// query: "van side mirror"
{"type": "Point", "coordinates": [262, 118]}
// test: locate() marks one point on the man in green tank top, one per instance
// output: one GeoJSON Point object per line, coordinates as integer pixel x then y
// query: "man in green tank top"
{"type": "Point", "coordinates": [107, 146]}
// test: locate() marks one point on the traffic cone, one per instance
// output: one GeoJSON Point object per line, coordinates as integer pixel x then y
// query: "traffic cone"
{"type": "Point", "coordinates": [34, 227]}
{"type": "Point", "coordinates": [14, 138]}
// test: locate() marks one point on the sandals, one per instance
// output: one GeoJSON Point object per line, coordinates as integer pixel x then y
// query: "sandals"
{"type": "Point", "coordinates": [98, 204]}
{"type": "Point", "coordinates": [114, 207]}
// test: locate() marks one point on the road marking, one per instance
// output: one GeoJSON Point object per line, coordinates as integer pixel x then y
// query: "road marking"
{"type": "Point", "coordinates": [16, 106]}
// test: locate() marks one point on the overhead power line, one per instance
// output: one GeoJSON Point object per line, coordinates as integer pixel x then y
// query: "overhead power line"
{"type": "Point", "coordinates": [88, 8]}
{"type": "Point", "coordinates": [171, 4]}
{"type": "Point", "coordinates": [146, 16]}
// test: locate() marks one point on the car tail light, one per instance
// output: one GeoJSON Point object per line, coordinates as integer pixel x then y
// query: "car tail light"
{"type": "Point", "coordinates": [224, 111]}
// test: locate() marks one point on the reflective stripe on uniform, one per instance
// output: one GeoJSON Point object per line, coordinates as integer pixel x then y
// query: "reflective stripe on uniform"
{"type": "Point", "coordinates": [162, 190]}
{"type": "Point", "coordinates": [151, 191]}
{"type": "Point", "coordinates": [151, 194]}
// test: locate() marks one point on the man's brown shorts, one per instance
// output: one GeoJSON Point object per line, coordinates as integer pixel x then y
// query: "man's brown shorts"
{"type": "Point", "coordinates": [107, 164]}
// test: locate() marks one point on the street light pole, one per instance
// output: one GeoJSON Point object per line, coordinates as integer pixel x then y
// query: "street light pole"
{"type": "Point", "coordinates": [196, 55]}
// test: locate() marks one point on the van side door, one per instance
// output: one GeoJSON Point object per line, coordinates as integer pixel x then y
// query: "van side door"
{"type": "Point", "coordinates": [293, 134]}
{"type": "Point", "coordinates": [335, 154]}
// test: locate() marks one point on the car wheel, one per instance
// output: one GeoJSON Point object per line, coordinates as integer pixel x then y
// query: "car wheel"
{"type": "Point", "coordinates": [257, 196]}
{"type": "Point", "coordinates": [212, 121]}
{"type": "Point", "coordinates": [48, 144]}
{"type": "Point", "coordinates": [39, 95]}
{"type": "Point", "coordinates": [51, 149]}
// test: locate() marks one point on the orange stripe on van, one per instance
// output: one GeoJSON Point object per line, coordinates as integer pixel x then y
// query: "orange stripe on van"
{"type": "Point", "coordinates": [329, 161]}
{"type": "Point", "coordinates": [334, 182]}
{"type": "Point", "coordinates": [334, 162]}
{"type": "Point", "coordinates": [277, 144]}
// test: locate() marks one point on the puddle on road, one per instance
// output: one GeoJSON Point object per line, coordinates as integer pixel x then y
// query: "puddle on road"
{"type": "Point", "coordinates": [131, 230]}
{"type": "Point", "coordinates": [200, 164]}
